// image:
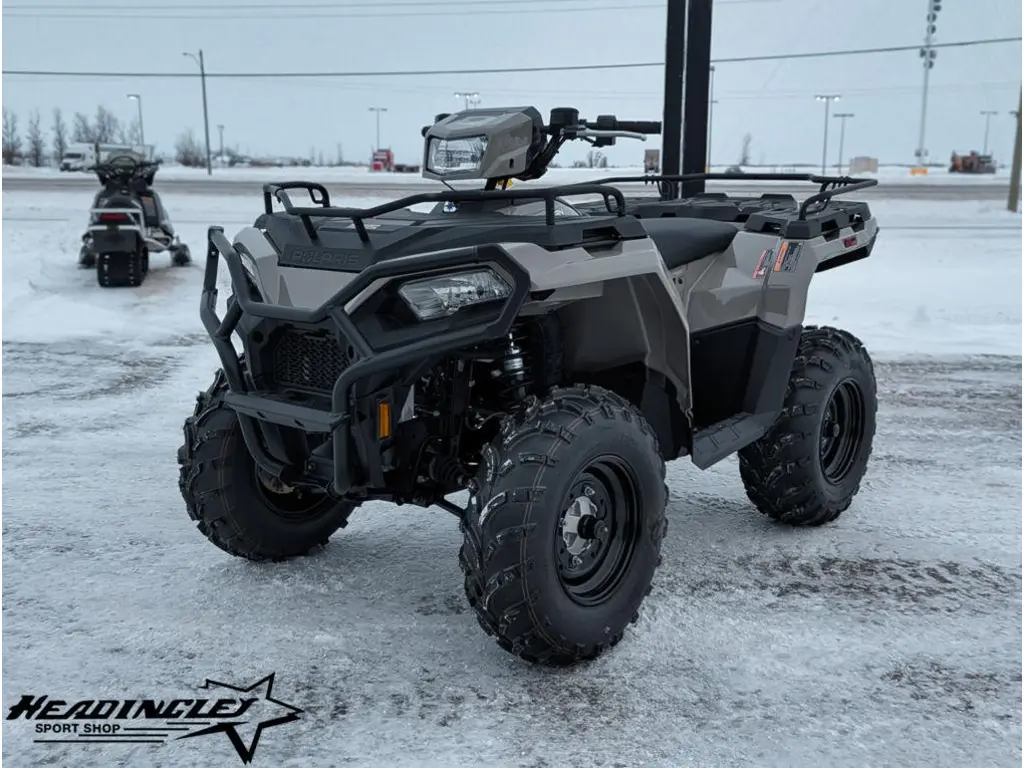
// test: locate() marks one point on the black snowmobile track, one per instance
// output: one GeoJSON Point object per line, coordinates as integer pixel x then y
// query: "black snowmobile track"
{"type": "Point", "coordinates": [118, 270]}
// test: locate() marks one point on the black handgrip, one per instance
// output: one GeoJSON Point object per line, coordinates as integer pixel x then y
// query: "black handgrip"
{"type": "Point", "coordinates": [652, 127]}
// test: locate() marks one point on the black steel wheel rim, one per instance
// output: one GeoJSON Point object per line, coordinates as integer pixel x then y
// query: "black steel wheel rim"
{"type": "Point", "coordinates": [842, 431]}
{"type": "Point", "coordinates": [603, 507]}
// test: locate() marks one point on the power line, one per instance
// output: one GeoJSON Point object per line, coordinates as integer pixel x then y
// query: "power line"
{"type": "Point", "coordinates": [134, 8]}
{"type": "Point", "coordinates": [498, 70]}
{"type": "Point", "coordinates": [399, 10]}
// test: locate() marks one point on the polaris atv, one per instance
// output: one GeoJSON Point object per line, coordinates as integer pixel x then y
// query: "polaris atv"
{"type": "Point", "coordinates": [548, 363]}
{"type": "Point", "coordinates": [127, 222]}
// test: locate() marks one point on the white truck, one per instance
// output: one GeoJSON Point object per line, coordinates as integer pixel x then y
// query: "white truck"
{"type": "Point", "coordinates": [82, 156]}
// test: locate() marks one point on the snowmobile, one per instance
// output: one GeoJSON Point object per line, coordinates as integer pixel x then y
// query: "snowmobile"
{"type": "Point", "coordinates": [127, 222]}
{"type": "Point", "coordinates": [544, 359]}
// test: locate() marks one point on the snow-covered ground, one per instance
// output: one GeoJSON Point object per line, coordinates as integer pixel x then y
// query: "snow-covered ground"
{"type": "Point", "coordinates": [891, 637]}
{"type": "Point", "coordinates": [169, 172]}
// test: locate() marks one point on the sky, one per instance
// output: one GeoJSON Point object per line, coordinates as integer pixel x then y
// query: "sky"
{"type": "Point", "coordinates": [772, 100]}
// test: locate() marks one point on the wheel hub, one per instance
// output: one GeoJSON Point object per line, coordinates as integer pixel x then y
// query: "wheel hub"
{"type": "Point", "coordinates": [581, 525]}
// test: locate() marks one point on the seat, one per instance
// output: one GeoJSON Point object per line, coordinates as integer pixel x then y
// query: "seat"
{"type": "Point", "coordinates": [682, 241]}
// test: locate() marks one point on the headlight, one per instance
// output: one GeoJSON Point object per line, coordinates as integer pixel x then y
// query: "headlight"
{"type": "Point", "coordinates": [456, 155]}
{"type": "Point", "coordinates": [253, 273]}
{"type": "Point", "coordinates": [442, 296]}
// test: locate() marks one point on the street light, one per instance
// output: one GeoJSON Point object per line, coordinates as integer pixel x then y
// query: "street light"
{"type": "Point", "coordinates": [927, 54]}
{"type": "Point", "coordinates": [711, 103]}
{"type": "Point", "coordinates": [206, 118]}
{"type": "Point", "coordinates": [842, 136]}
{"type": "Point", "coordinates": [471, 97]}
{"type": "Point", "coordinates": [378, 110]}
{"type": "Point", "coordinates": [988, 117]}
{"type": "Point", "coordinates": [828, 98]}
{"type": "Point", "coordinates": [142, 133]}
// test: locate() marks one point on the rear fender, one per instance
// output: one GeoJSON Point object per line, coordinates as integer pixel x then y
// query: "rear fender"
{"type": "Point", "coordinates": [765, 277]}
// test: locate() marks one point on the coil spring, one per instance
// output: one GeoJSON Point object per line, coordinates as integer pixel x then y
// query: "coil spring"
{"type": "Point", "coordinates": [516, 372]}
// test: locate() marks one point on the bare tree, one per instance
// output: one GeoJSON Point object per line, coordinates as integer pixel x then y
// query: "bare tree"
{"type": "Point", "coordinates": [10, 146]}
{"type": "Point", "coordinates": [745, 152]}
{"type": "Point", "coordinates": [82, 131]}
{"type": "Point", "coordinates": [36, 142]}
{"type": "Point", "coordinates": [60, 135]}
{"type": "Point", "coordinates": [105, 126]}
{"type": "Point", "coordinates": [187, 150]}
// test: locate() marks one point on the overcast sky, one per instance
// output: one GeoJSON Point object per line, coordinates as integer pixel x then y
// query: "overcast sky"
{"type": "Point", "coordinates": [774, 101]}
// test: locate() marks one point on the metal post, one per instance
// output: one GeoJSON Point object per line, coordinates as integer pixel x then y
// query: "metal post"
{"type": "Point", "coordinates": [142, 134]}
{"type": "Point", "coordinates": [220, 130]}
{"type": "Point", "coordinates": [1014, 199]}
{"type": "Point", "coordinates": [672, 116]}
{"type": "Point", "coordinates": [697, 92]}
{"type": "Point", "coordinates": [206, 114]}
{"type": "Point", "coordinates": [828, 98]}
{"type": "Point", "coordinates": [842, 138]}
{"type": "Point", "coordinates": [711, 107]}
{"type": "Point", "coordinates": [378, 110]}
{"type": "Point", "coordinates": [987, 113]}
{"type": "Point", "coordinates": [927, 54]}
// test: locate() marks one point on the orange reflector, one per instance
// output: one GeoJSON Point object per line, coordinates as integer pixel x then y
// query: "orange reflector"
{"type": "Point", "coordinates": [383, 419]}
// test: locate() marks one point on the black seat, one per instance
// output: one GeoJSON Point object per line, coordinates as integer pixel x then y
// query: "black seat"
{"type": "Point", "coordinates": [681, 241]}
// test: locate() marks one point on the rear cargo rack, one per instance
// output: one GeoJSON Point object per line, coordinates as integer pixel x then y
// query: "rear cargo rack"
{"type": "Point", "coordinates": [319, 196]}
{"type": "Point", "coordinates": [828, 186]}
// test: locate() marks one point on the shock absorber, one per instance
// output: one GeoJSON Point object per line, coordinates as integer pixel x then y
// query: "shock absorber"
{"type": "Point", "coordinates": [515, 372]}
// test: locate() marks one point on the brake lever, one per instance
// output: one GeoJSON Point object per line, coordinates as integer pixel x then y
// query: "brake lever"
{"type": "Point", "coordinates": [583, 133]}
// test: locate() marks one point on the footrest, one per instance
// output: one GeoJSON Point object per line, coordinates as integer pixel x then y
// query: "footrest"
{"type": "Point", "coordinates": [714, 443]}
{"type": "Point", "coordinates": [282, 412]}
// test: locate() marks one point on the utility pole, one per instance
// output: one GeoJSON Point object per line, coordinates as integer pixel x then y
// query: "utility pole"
{"type": "Point", "coordinates": [828, 98]}
{"type": "Point", "coordinates": [1014, 199]}
{"type": "Point", "coordinates": [470, 97]}
{"type": "Point", "coordinates": [987, 114]}
{"type": "Point", "coordinates": [841, 116]}
{"type": "Point", "coordinates": [220, 130]}
{"type": "Point", "coordinates": [142, 134]}
{"type": "Point", "coordinates": [927, 54]}
{"type": "Point", "coordinates": [378, 110]}
{"type": "Point", "coordinates": [711, 106]}
{"type": "Point", "coordinates": [206, 114]}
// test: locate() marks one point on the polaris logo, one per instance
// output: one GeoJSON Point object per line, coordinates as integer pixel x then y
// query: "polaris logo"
{"type": "Point", "coordinates": [322, 258]}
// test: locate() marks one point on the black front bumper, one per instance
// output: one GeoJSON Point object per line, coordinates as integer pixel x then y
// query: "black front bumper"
{"type": "Point", "coordinates": [262, 413]}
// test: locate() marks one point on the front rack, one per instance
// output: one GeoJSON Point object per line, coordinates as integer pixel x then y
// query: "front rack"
{"type": "Point", "coordinates": [322, 201]}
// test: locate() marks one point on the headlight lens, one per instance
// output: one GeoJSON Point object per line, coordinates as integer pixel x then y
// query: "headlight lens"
{"type": "Point", "coordinates": [456, 155]}
{"type": "Point", "coordinates": [253, 273]}
{"type": "Point", "coordinates": [442, 296]}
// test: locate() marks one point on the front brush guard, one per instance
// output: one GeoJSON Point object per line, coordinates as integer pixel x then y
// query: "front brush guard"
{"type": "Point", "coordinates": [254, 409]}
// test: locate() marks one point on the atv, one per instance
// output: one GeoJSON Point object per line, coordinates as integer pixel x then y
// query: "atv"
{"type": "Point", "coordinates": [543, 358]}
{"type": "Point", "coordinates": [127, 222]}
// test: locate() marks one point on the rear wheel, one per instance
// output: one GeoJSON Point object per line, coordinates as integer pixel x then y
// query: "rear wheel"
{"type": "Point", "coordinates": [237, 506]}
{"type": "Point", "coordinates": [564, 528]}
{"type": "Point", "coordinates": [809, 466]}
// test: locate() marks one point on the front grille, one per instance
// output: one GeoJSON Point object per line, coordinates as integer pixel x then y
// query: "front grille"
{"type": "Point", "coordinates": [308, 360]}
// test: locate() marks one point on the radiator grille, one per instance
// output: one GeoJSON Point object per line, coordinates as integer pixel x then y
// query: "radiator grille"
{"type": "Point", "coordinates": [308, 360]}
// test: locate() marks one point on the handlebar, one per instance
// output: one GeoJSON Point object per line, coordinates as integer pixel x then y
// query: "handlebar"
{"type": "Point", "coordinates": [646, 127]}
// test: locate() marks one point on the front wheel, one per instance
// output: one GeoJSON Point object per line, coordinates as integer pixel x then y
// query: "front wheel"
{"type": "Point", "coordinates": [809, 466]}
{"type": "Point", "coordinates": [564, 527]}
{"type": "Point", "coordinates": [234, 503]}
